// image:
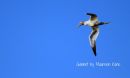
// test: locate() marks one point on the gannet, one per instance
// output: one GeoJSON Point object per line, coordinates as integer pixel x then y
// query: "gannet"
{"type": "Point", "coordinates": [94, 24]}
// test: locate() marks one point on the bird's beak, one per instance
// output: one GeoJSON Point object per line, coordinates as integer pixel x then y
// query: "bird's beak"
{"type": "Point", "coordinates": [81, 23]}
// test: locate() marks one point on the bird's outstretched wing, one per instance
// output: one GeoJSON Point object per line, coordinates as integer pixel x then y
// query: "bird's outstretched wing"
{"type": "Point", "coordinates": [92, 16]}
{"type": "Point", "coordinates": [93, 37]}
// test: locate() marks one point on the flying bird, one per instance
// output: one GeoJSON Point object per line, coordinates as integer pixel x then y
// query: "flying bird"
{"type": "Point", "coordinates": [94, 24]}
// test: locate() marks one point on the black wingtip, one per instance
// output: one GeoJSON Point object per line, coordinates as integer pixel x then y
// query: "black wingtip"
{"type": "Point", "coordinates": [94, 49]}
{"type": "Point", "coordinates": [88, 13]}
{"type": "Point", "coordinates": [92, 14]}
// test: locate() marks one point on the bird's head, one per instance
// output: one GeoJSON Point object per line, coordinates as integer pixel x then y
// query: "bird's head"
{"type": "Point", "coordinates": [81, 23]}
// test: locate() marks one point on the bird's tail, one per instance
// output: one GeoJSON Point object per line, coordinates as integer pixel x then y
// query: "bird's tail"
{"type": "Point", "coordinates": [102, 23]}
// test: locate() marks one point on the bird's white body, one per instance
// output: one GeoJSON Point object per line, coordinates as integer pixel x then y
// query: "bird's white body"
{"type": "Point", "coordinates": [90, 22]}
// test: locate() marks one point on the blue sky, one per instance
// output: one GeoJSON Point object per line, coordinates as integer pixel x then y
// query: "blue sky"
{"type": "Point", "coordinates": [40, 38]}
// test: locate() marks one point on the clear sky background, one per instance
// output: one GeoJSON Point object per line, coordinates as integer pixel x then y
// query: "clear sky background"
{"type": "Point", "coordinates": [40, 38]}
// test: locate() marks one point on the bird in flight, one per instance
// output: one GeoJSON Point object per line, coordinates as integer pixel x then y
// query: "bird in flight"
{"type": "Point", "coordinates": [94, 24]}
